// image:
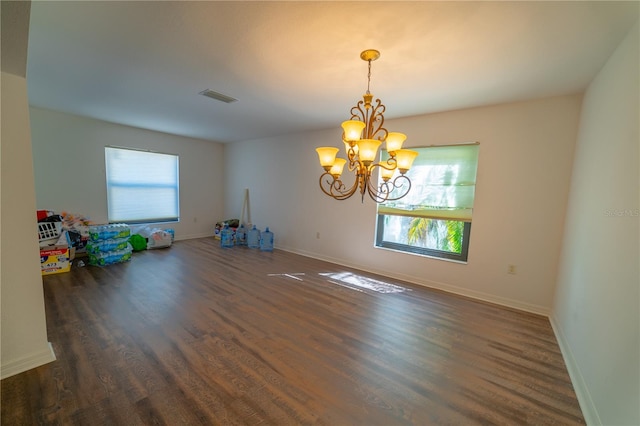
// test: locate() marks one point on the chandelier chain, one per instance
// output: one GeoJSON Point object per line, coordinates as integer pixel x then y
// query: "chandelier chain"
{"type": "Point", "coordinates": [369, 77]}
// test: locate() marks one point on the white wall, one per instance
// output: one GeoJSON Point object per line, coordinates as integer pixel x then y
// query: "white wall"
{"type": "Point", "coordinates": [526, 150]}
{"type": "Point", "coordinates": [596, 312]}
{"type": "Point", "coordinates": [22, 317]}
{"type": "Point", "coordinates": [68, 155]}
{"type": "Point", "coordinates": [24, 331]}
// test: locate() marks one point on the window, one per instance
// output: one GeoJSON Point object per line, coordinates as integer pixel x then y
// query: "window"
{"type": "Point", "coordinates": [434, 218]}
{"type": "Point", "coordinates": [142, 186]}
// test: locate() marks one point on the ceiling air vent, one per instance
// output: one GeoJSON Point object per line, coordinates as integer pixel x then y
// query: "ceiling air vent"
{"type": "Point", "coordinates": [217, 96]}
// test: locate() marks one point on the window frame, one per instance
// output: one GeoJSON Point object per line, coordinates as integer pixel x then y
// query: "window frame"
{"type": "Point", "coordinates": [461, 257]}
{"type": "Point", "coordinates": [111, 183]}
{"type": "Point", "coordinates": [423, 251]}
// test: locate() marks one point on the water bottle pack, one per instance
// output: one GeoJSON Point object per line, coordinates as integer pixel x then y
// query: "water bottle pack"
{"type": "Point", "coordinates": [95, 247]}
{"type": "Point", "coordinates": [109, 244]}
{"type": "Point", "coordinates": [110, 257]}
{"type": "Point", "coordinates": [112, 231]}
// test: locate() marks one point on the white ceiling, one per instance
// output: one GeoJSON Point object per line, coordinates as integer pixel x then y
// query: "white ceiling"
{"type": "Point", "coordinates": [295, 66]}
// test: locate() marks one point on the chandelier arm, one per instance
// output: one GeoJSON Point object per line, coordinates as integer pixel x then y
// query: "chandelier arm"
{"type": "Point", "coordinates": [383, 193]}
{"type": "Point", "coordinates": [351, 155]}
{"type": "Point", "coordinates": [330, 183]}
{"type": "Point", "coordinates": [354, 165]}
{"type": "Point", "coordinates": [373, 117]}
{"type": "Point", "coordinates": [401, 181]}
{"type": "Point", "coordinates": [376, 195]}
{"type": "Point", "coordinates": [341, 195]}
{"type": "Point", "coordinates": [392, 164]}
{"type": "Point", "coordinates": [336, 188]}
{"type": "Point", "coordinates": [357, 113]}
{"type": "Point", "coordinates": [376, 121]}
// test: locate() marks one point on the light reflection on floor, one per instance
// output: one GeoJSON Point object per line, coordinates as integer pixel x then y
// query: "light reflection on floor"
{"type": "Point", "coordinates": [293, 275]}
{"type": "Point", "coordinates": [351, 281]}
{"type": "Point", "coordinates": [362, 283]}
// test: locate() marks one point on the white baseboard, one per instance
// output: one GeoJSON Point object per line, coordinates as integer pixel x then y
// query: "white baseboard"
{"type": "Point", "coordinates": [28, 362]}
{"type": "Point", "coordinates": [579, 385]}
{"type": "Point", "coordinates": [510, 303]}
{"type": "Point", "coordinates": [194, 236]}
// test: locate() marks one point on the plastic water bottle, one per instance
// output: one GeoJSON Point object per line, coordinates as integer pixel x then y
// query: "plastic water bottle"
{"type": "Point", "coordinates": [266, 240]}
{"type": "Point", "coordinates": [105, 232]}
{"type": "Point", "coordinates": [253, 238]}
{"type": "Point", "coordinates": [226, 237]}
{"type": "Point", "coordinates": [241, 235]}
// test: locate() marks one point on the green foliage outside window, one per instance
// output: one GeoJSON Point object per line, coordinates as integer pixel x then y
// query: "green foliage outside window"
{"type": "Point", "coordinates": [443, 235]}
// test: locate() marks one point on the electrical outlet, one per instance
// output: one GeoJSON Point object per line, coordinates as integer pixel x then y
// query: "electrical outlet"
{"type": "Point", "coordinates": [318, 235]}
{"type": "Point", "coordinates": [511, 269]}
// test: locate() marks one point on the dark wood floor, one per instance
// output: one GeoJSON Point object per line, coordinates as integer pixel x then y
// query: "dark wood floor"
{"type": "Point", "coordinates": [195, 334]}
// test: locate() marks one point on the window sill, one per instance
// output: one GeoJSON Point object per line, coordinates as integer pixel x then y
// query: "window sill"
{"type": "Point", "coordinates": [462, 262]}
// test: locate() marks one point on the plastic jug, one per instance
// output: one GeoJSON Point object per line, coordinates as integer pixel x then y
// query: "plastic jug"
{"type": "Point", "coordinates": [266, 240]}
{"type": "Point", "coordinates": [226, 237]}
{"type": "Point", "coordinates": [241, 235]}
{"type": "Point", "coordinates": [253, 238]}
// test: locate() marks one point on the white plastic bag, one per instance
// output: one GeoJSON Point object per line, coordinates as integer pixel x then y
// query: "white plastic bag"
{"type": "Point", "coordinates": [158, 238]}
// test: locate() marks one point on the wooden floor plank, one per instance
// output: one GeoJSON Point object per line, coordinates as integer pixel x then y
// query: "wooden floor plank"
{"type": "Point", "coordinates": [196, 334]}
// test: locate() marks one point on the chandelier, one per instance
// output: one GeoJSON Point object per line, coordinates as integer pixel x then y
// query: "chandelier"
{"type": "Point", "coordinates": [362, 136]}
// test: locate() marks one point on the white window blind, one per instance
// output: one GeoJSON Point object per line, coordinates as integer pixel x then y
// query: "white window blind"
{"type": "Point", "coordinates": [443, 182]}
{"type": "Point", "coordinates": [142, 186]}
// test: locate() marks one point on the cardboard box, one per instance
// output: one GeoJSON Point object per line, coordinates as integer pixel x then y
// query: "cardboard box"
{"type": "Point", "coordinates": [54, 260]}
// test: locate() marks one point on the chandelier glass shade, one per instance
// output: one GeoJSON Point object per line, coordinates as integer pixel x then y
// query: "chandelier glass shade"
{"type": "Point", "coordinates": [363, 134]}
